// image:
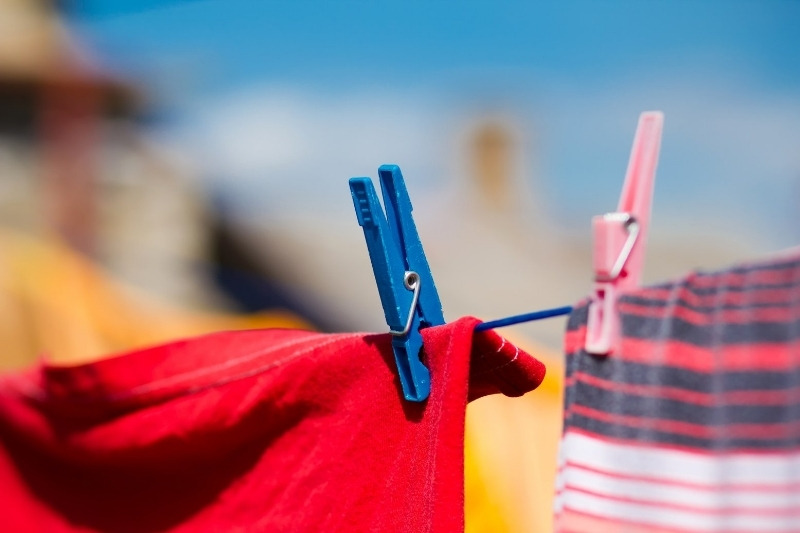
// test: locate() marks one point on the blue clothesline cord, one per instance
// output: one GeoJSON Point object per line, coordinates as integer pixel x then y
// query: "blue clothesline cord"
{"type": "Point", "coordinates": [527, 317]}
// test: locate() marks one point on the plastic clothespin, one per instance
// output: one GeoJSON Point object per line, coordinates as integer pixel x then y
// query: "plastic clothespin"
{"type": "Point", "coordinates": [408, 295]}
{"type": "Point", "coordinates": [620, 238]}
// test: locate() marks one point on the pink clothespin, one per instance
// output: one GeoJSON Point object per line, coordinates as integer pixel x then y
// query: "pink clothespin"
{"type": "Point", "coordinates": [620, 238]}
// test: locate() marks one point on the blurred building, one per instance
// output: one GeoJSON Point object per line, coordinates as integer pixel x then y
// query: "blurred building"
{"type": "Point", "coordinates": [75, 164]}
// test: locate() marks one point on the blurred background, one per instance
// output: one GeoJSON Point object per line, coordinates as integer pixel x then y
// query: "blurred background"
{"type": "Point", "coordinates": [171, 167]}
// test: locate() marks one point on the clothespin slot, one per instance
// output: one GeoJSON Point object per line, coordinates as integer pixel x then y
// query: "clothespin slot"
{"type": "Point", "coordinates": [405, 284]}
{"type": "Point", "coordinates": [620, 238]}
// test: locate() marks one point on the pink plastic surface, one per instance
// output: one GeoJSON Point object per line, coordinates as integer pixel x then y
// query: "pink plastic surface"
{"type": "Point", "coordinates": [610, 235]}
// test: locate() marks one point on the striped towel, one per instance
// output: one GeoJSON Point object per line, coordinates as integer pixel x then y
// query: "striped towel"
{"type": "Point", "coordinates": [694, 423]}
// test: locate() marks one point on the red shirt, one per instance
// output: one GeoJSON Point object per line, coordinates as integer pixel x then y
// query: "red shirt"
{"type": "Point", "coordinates": [265, 430]}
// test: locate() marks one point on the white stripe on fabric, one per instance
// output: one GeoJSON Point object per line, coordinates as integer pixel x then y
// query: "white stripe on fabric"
{"type": "Point", "coordinates": [714, 498]}
{"type": "Point", "coordinates": [679, 489]}
{"type": "Point", "coordinates": [672, 518]}
{"type": "Point", "coordinates": [559, 482]}
{"type": "Point", "coordinates": [637, 460]}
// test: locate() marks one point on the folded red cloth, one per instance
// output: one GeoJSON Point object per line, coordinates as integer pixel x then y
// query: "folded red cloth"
{"type": "Point", "coordinates": [265, 430]}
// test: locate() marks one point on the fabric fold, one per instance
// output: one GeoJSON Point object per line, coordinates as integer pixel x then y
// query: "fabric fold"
{"type": "Point", "coordinates": [261, 430]}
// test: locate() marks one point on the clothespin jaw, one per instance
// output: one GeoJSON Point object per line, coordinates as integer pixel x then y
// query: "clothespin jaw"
{"type": "Point", "coordinates": [405, 284]}
{"type": "Point", "coordinates": [620, 238]}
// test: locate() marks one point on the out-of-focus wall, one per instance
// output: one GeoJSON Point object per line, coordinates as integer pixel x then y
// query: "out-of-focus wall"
{"type": "Point", "coordinates": [279, 105]}
{"type": "Point", "coordinates": [76, 164]}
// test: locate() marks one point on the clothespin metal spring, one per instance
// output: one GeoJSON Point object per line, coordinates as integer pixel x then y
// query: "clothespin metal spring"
{"type": "Point", "coordinates": [630, 224]}
{"type": "Point", "coordinates": [411, 282]}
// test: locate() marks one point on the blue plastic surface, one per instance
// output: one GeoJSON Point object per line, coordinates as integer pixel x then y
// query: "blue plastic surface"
{"type": "Point", "coordinates": [394, 248]}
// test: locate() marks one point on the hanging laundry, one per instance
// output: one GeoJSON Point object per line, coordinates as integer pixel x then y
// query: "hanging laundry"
{"type": "Point", "coordinates": [264, 430]}
{"type": "Point", "coordinates": [693, 423]}
{"type": "Point", "coordinates": [56, 303]}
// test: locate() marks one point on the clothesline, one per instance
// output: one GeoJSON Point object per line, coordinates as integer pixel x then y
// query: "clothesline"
{"type": "Point", "coordinates": [526, 317]}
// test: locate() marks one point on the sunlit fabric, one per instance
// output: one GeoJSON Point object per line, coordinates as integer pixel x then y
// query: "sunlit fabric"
{"type": "Point", "coordinates": [261, 430]}
{"type": "Point", "coordinates": [693, 424]}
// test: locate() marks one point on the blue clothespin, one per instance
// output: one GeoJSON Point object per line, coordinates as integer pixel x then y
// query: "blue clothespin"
{"type": "Point", "coordinates": [408, 295]}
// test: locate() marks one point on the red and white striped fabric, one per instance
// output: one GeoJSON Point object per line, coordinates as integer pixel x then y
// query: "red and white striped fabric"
{"type": "Point", "coordinates": [693, 425]}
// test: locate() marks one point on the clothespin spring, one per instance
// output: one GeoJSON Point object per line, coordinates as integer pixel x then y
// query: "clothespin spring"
{"type": "Point", "coordinates": [412, 282]}
{"type": "Point", "coordinates": [630, 224]}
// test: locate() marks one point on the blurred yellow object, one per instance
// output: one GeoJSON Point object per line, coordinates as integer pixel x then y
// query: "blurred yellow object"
{"type": "Point", "coordinates": [512, 452]}
{"type": "Point", "coordinates": [56, 304]}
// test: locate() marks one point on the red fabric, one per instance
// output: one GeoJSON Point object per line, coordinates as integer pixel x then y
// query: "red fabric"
{"type": "Point", "coordinates": [268, 430]}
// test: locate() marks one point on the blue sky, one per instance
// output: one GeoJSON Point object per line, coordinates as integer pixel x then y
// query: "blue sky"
{"type": "Point", "coordinates": [266, 91]}
{"type": "Point", "coordinates": [336, 44]}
